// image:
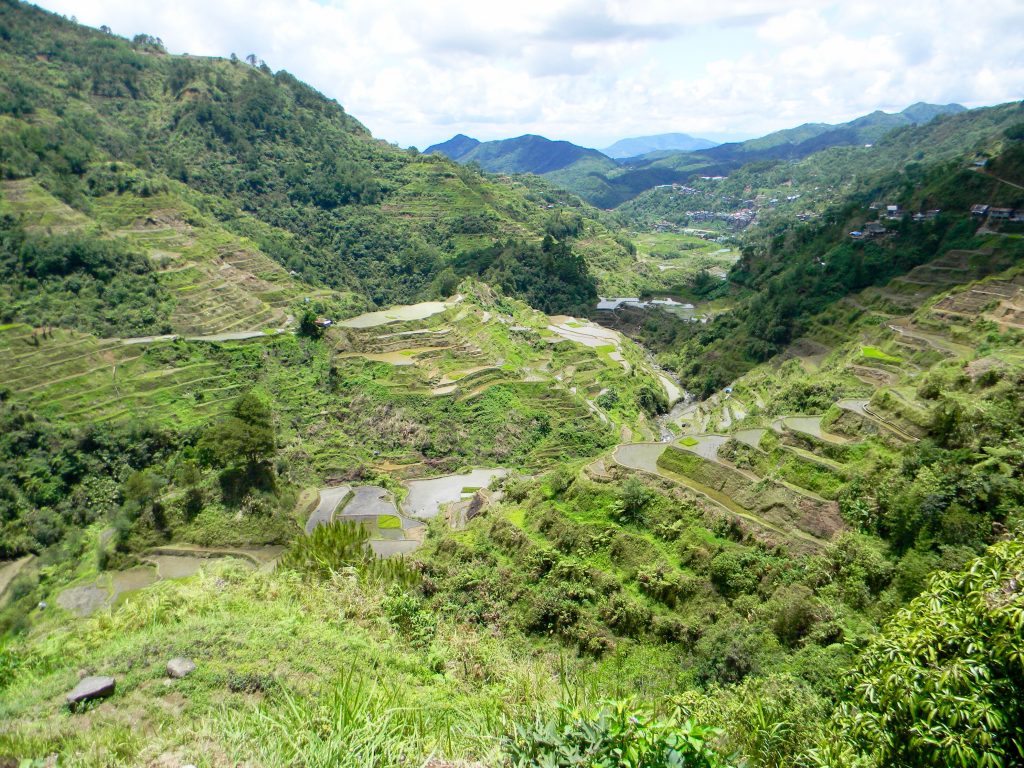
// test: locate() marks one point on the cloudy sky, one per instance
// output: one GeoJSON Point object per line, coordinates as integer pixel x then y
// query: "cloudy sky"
{"type": "Point", "coordinates": [592, 71]}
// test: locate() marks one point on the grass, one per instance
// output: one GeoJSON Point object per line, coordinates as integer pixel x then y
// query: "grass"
{"type": "Point", "coordinates": [874, 353]}
{"type": "Point", "coordinates": [689, 441]}
{"type": "Point", "coordinates": [293, 686]}
{"type": "Point", "coordinates": [388, 521]}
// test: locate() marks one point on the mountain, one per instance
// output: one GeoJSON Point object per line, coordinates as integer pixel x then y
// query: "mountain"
{"type": "Point", "coordinates": [809, 185]}
{"type": "Point", "coordinates": [457, 146]}
{"type": "Point", "coordinates": [607, 183]}
{"type": "Point", "coordinates": [813, 137]}
{"type": "Point", "coordinates": [635, 175]}
{"type": "Point", "coordinates": [523, 154]}
{"type": "Point", "coordinates": [642, 145]}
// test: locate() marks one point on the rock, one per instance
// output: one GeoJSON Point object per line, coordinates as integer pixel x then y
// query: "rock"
{"type": "Point", "coordinates": [180, 667]}
{"type": "Point", "coordinates": [90, 688]}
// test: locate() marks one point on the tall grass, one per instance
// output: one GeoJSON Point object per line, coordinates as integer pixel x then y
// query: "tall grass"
{"type": "Point", "coordinates": [341, 546]}
{"type": "Point", "coordinates": [355, 724]}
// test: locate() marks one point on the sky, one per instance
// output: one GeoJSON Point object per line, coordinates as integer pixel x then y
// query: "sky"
{"type": "Point", "coordinates": [416, 72]}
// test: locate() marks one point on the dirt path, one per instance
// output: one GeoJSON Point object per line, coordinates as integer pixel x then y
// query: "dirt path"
{"type": "Point", "coordinates": [9, 570]}
{"type": "Point", "coordinates": [262, 556]}
{"type": "Point", "coordinates": [933, 341]}
{"type": "Point", "coordinates": [227, 336]}
{"type": "Point", "coordinates": [860, 407]}
{"type": "Point", "coordinates": [983, 172]}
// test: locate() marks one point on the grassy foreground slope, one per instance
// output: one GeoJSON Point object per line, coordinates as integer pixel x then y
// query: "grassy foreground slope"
{"type": "Point", "coordinates": [297, 671]}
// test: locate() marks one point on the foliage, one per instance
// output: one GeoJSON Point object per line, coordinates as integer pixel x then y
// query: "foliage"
{"type": "Point", "coordinates": [942, 684]}
{"type": "Point", "coordinates": [617, 735]}
{"type": "Point", "coordinates": [551, 277]}
{"type": "Point", "coordinates": [342, 546]}
{"type": "Point", "coordinates": [330, 548]}
{"type": "Point", "coordinates": [55, 480]}
{"type": "Point", "coordinates": [244, 437]}
{"type": "Point", "coordinates": [81, 281]}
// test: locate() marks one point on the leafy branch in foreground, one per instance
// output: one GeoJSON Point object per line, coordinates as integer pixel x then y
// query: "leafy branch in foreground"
{"type": "Point", "coordinates": [944, 683]}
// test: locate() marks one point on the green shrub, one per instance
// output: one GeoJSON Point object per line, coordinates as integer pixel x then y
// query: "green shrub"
{"type": "Point", "coordinates": [943, 683]}
{"type": "Point", "coordinates": [618, 734]}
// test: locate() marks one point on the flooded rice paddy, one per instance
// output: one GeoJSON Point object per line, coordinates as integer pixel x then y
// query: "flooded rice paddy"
{"type": "Point", "coordinates": [399, 314]}
{"type": "Point", "coordinates": [172, 562]}
{"type": "Point", "coordinates": [427, 496]}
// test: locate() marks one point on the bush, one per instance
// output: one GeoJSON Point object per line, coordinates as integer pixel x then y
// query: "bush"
{"type": "Point", "coordinates": [634, 498]}
{"type": "Point", "coordinates": [942, 685]}
{"type": "Point", "coordinates": [618, 734]}
{"type": "Point", "coordinates": [626, 616]}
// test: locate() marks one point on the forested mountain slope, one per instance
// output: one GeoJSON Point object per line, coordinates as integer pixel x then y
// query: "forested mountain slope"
{"type": "Point", "coordinates": [523, 154]}
{"type": "Point", "coordinates": [347, 211]}
{"type": "Point", "coordinates": [798, 268]}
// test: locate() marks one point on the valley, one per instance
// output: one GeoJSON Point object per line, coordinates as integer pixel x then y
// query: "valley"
{"type": "Point", "coordinates": [316, 451]}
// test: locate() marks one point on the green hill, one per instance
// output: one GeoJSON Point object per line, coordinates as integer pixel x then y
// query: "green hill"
{"type": "Point", "coordinates": [523, 154]}
{"type": "Point", "coordinates": [331, 203]}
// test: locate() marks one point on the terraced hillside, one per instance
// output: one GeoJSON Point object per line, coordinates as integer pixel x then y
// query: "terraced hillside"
{"type": "Point", "coordinates": [444, 362]}
{"type": "Point", "coordinates": [219, 282]}
{"type": "Point", "coordinates": [290, 464]}
{"type": "Point", "coordinates": [793, 444]}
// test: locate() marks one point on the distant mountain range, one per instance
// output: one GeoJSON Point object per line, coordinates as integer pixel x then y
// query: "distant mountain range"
{"type": "Point", "coordinates": [631, 166]}
{"type": "Point", "coordinates": [794, 143]}
{"type": "Point", "coordinates": [641, 145]}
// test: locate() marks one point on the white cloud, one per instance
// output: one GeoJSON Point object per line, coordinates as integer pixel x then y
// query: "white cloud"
{"type": "Point", "coordinates": [594, 71]}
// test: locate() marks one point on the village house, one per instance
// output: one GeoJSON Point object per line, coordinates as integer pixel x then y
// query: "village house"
{"type": "Point", "coordinates": [893, 212]}
{"type": "Point", "coordinates": [979, 209]}
{"type": "Point", "coordinates": [1000, 213]}
{"type": "Point", "coordinates": [874, 229]}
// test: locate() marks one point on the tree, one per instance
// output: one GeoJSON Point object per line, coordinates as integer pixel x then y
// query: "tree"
{"type": "Point", "coordinates": [944, 684]}
{"type": "Point", "coordinates": [308, 326]}
{"type": "Point", "coordinates": [634, 497]}
{"type": "Point", "coordinates": [247, 434]}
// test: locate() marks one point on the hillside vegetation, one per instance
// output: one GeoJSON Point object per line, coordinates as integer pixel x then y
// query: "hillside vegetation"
{"type": "Point", "coordinates": [276, 161]}
{"type": "Point", "coordinates": [327, 420]}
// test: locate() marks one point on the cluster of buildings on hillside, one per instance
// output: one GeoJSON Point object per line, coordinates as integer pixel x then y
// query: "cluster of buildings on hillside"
{"type": "Point", "coordinates": [889, 212]}
{"type": "Point", "coordinates": [735, 219]}
{"type": "Point", "coordinates": [742, 212]}
{"type": "Point", "coordinates": [985, 211]}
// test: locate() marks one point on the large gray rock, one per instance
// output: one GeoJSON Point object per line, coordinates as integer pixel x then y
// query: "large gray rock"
{"type": "Point", "coordinates": [180, 667]}
{"type": "Point", "coordinates": [90, 688]}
